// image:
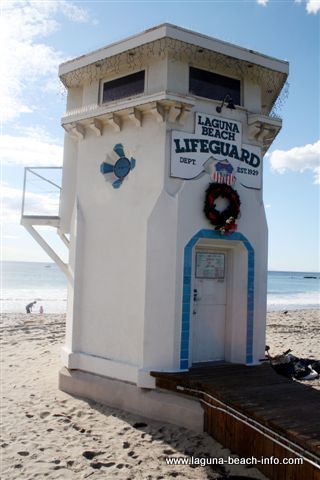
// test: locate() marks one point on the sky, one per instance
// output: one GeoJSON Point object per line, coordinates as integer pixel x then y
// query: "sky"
{"type": "Point", "coordinates": [35, 37]}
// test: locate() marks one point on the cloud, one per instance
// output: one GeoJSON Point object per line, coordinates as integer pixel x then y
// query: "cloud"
{"type": "Point", "coordinates": [34, 149]}
{"type": "Point", "coordinates": [11, 204]}
{"type": "Point", "coordinates": [313, 6]}
{"type": "Point", "coordinates": [10, 237]}
{"type": "Point", "coordinates": [298, 159]}
{"type": "Point", "coordinates": [36, 203]}
{"type": "Point", "coordinates": [30, 150]}
{"type": "Point", "coordinates": [28, 62]}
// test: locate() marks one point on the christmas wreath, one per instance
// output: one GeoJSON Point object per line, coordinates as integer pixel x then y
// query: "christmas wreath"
{"type": "Point", "coordinates": [224, 221]}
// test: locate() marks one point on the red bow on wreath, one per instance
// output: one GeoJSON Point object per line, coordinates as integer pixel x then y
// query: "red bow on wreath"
{"type": "Point", "coordinates": [224, 221]}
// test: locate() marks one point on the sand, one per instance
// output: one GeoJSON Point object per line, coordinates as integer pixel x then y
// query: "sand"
{"type": "Point", "coordinates": [49, 434]}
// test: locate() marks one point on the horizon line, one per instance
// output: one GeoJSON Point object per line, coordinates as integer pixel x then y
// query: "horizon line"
{"type": "Point", "coordinates": [53, 263]}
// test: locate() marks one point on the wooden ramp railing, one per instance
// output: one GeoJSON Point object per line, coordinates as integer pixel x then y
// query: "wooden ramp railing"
{"type": "Point", "coordinates": [256, 413]}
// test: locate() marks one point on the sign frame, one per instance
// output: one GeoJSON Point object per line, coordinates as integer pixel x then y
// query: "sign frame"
{"type": "Point", "coordinates": [218, 272]}
{"type": "Point", "coordinates": [193, 154]}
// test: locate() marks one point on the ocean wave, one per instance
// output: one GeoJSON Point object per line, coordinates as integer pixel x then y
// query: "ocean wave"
{"type": "Point", "coordinates": [53, 300]}
{"type": "Point", "coordinates": [51, 306]}
{"type": "Point", "coordinates": [293, 301]}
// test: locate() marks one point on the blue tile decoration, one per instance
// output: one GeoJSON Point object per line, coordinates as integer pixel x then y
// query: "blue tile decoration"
{"type": "Point", "coordinates": [184, 364]}
{"type": "Point", "coordinates": [186, 294]}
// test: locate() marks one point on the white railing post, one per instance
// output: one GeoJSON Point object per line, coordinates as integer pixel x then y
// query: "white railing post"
{"type": "Point", "coordinates": [24, 191]}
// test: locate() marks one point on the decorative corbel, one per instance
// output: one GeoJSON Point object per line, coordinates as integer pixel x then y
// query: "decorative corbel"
{"type": "Point", "coordinates": [136, 116]}
{"type": "Point", "coordinates": [78, 131]}
{"type": "Point", "coordinates": [158, 111]}
{"type": "Point", "coordinates": [254, 130]}
{"type": "Point", "coordinates": [97, 126]}
{"type": "Point", "coordinates": [185, 110]}
{"type": "Point", "coordinates": [174, 112]}
{"type": "Point", "coordinates": [66, 127]}
{"type": "Point", "coordinates": [267, 135]}
{"type": "Point", "coordinates": [262, 128]}
{"type": "Point", "coordinates": [69, 130]}
{"type": "Point", "coordinates": [115, 122]}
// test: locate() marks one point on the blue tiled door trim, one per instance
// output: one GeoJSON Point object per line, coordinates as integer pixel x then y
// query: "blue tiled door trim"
{"type": "Point", "coordinates": [186, 294]}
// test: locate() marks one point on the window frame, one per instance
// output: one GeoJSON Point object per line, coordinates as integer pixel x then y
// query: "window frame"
{"type": "Point", "coordinates": [216, 72]}
{"type": "Point", "coordinates": [117, 77]}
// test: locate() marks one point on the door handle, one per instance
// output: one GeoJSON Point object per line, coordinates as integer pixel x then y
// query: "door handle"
{"type": "Point", "coordinates": [195, 295]}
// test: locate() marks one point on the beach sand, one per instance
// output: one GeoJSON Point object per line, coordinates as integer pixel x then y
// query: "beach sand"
{"type": "Point", "coordinates": [49, 434]}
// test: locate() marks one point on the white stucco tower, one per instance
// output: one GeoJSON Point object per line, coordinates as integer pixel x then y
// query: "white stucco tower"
{"type": "Point", "coordinates": [162, 199]}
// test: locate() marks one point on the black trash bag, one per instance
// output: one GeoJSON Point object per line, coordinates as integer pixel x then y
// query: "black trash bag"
{"type": "Point", "coordinates": [285, 369]}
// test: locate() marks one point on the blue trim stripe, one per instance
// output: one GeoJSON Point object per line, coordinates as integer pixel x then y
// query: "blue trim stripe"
{"type": "Point", "coordinates": [186, 294]}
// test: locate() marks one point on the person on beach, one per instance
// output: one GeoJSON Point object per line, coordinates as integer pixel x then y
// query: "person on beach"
{"type": "Point", "coordinates": [41, 310]}
{"type": "Point", "coordinates": [29, 306]}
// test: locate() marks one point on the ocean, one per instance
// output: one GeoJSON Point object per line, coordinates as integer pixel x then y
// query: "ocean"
{"type": "Point", "coordinates": [24, 282]}
{"type": "Point", "coordinates": [293, 290]}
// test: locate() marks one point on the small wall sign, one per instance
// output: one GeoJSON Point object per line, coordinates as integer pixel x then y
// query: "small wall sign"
{"type": "Point", "coordinates": [210, 265]}
{"type": "Point", "coordinates": [215, 140]}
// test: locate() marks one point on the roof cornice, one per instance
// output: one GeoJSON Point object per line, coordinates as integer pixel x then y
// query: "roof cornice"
{"type": "Point", "coordinates": [176, 33]}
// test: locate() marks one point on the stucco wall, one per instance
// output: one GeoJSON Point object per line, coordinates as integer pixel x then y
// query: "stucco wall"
{"type": "Point", "coordinates": [174, 222]}
{"type": "Point", "coordinates": [113, 230]}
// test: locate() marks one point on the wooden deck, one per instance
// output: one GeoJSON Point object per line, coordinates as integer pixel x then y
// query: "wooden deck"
{"type": "Point", "coordinates": [256, 412]}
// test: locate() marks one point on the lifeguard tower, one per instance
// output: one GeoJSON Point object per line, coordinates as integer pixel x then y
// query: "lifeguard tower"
{"type": "Point", "coordinates": [162, 199]}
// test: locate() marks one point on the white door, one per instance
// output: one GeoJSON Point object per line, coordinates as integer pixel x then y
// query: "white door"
{"type": "Point", "coordinates": [209, 306]}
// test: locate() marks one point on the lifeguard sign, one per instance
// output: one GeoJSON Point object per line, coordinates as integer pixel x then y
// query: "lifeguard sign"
{"type": "Point", "coordinates": [162, 201]}
{"type": "Point", "coordinates": [218, 139]}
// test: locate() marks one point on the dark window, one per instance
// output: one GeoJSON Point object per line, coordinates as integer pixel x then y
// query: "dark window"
{"type": "Point", "coordinates": [211, 85]}
{"type": "Point", "coordinates": [123, 87]}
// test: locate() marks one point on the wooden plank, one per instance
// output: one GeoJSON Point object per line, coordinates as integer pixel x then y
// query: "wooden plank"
{"type": "Point", "coordinates": [242, 438]}
{"type": "Point", "coordinates": [276, 393]}
{"type": "Point", "coordinates": [205, 420]}
{"type": "Point", "coordinates": [309, 427]}
{"type": "Point", "coordinates": [293, 472]}
{"type": "Point", "coordinates": [209, 414]}
{"type": "Point", "coordinates": [238, 437]}
{"type": "Point", "coordinates": [167, 384]}
{"type": "Point", "coordinates": [268, 452]}
{"type": "Point", "coordinates": [316, 473]}
{"type": "Point", "coordinates": [248, 436]}
{"type": "Point", "coordinates": [307, 471]}
{"type": "Point", "coordinates": [279, 470]}
{"type": "Point", "coordinates": [258, 445]}
{"type": "Point", "coordinates": [246, 383]}
{"type": "Point", "coordinates": [218, 425]}
{"type": "Point", "coordinates": [230, 432]}
{"type": "Point", "coordinates": [251, 439]}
